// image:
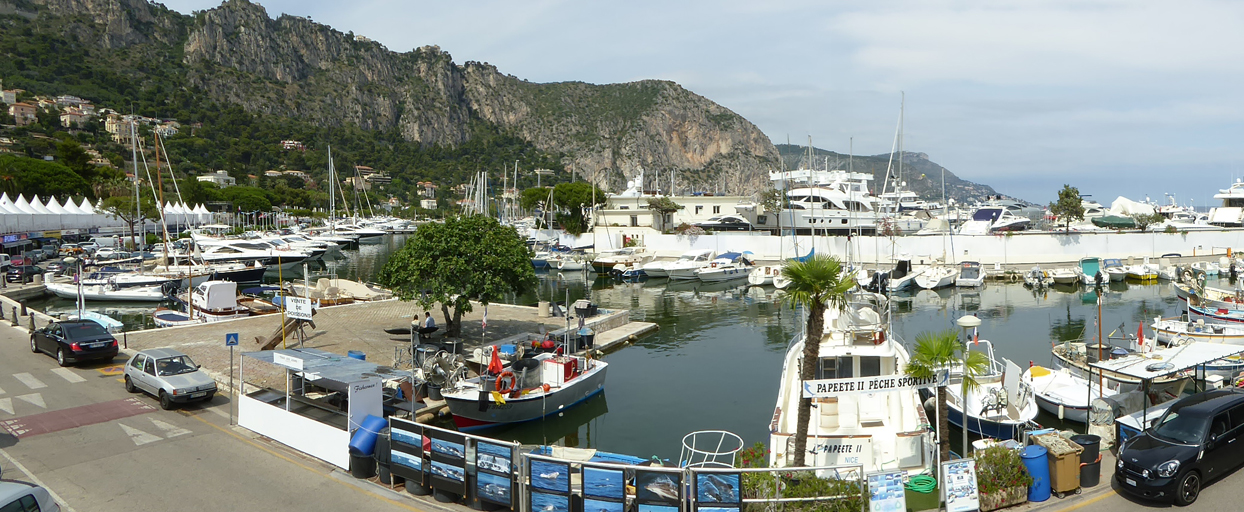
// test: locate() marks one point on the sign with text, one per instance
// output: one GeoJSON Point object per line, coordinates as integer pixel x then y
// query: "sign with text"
{"type": "Point", "coordinates": [365, 398]}
{"type": "Point", "coordinates": [298, 307]}
{"type": "Point", "coordinates": [840, 450]}
{"type": "Point", "coordinates": [959, 485]}
{"type": "Point", "coordinates": [826, 388]}
{"type": "Point", "coordinates": [290, 362]}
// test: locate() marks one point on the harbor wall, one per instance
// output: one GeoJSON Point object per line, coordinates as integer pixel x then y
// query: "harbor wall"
{"type": "Point", "coordinates": [1010, 249]}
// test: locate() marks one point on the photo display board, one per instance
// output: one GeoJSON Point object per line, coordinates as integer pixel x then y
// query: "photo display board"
{"type": "Point", "coordinates": [550, 485]}
{"type": "Point", "coordinates": [658, 488]}
{"type": "Point", "coordinates": [406, 454]}
{"type": "Point", "coordinates": [494, 476]}
{"type": "Point", "coordinates": [717, 492]}
{"type": "Point", "coordinates": [448, 461]}
{"type": "Point", "coordinates": [886, 492]}
{"type": "Point", "coordinates": [604, 490]}
{"type": "Point", "coordinates": [959, 485]}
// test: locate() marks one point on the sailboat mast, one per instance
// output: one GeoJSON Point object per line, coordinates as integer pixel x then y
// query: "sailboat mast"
{"type": "Point", "coordinates": [332, 199]}
{"type": "Point", "coordinates": [137, 202]}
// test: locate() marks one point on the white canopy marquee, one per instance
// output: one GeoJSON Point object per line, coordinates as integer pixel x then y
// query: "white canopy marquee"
{"type": "Point", "coordinates": [24, 215]}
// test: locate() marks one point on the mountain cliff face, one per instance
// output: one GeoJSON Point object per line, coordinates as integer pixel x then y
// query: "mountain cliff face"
{"type": "Point", "coordinates": [293, 67]}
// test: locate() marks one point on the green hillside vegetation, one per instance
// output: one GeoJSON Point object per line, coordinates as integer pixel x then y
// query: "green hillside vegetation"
{"type": "Point", "coordinates": [44, 57]}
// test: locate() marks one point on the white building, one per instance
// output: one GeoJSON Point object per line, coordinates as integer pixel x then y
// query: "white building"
{"type": "Point", "coordinates": [222, 179]}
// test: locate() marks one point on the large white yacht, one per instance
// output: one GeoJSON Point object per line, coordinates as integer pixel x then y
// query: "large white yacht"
{"type": "Point", "coordinates": [883, 430]}
{"type": "Point", "coordinates": [248, 251]}
{"type": "Point", "coordinates": [690, 259]}
{"type": "Point", "coordinates": [835, 202]}
{"type": "Point", "coordinates": [1231, 213]}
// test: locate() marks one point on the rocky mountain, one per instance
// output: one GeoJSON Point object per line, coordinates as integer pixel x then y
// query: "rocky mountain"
{"type": "Point", "coordinates": [922, 176]}
{"type": "Point", "coordinates": [291, 66]}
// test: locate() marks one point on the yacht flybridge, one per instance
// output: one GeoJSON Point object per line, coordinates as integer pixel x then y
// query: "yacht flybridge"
{"type": "Point", "coordinates": [883, 430]}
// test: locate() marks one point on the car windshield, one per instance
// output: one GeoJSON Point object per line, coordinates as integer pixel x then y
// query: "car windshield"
{"type": "Point", "coordinates": [175, 365]}
{"type": "Point", "coordinates": [1178, 427]}
{"type": "Point", "coordinates": [84, 331]}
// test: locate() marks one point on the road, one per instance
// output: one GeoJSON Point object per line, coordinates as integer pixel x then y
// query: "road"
{"type": "Point", "coordinates": [98, 448]}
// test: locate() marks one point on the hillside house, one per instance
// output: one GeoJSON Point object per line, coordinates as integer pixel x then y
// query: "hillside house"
{"type": "Point", "coordinates": [222, 179]}
{"type": "Point", "coordinates": [23, 113]}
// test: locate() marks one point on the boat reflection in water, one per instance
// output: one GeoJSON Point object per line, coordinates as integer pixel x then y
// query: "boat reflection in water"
{"type": "Point", "coordinates": [572, 428]}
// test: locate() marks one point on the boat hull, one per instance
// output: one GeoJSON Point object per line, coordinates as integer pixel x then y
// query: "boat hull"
{"type": "Point", "coordinates": [1077, 414]}
{"type": "Point", "coordinates": [468, 416]}
{"type": "Point", "coordinates": [719, 275]}
{"type": "Point", "coordinates": [93, 293]}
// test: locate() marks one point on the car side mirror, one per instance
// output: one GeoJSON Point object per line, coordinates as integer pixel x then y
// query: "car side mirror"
{"type": "Point", "coordinates": [198, 366]}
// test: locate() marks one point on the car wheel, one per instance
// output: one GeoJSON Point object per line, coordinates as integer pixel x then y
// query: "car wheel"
{"type": "Point", "coordinates": [33, 347]}
{"type": "Point", "coordinates": [166, 403]}
{"type": "Point", "coordinates": [129, 385]}
{"type": "Point", "coordinates": [1188, 490]}
{"type": "Point", "coordinates": [60, 357]}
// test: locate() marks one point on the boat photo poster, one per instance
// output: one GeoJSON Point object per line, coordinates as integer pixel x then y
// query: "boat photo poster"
{"type": "Point", "coordinates": [493, 488]}
{"type": "Point", "coordinates": [407, 433]}
{"type": "Point", "coordinates": [606, 484]}
{"type": "Point", "coordinates": [717, 488]}
{"type": "Point", "coordinates": [493, 457]}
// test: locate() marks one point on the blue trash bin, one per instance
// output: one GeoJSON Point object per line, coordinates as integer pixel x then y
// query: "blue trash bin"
{"type": "Point", "coordinates": [1039, 468]}
{"type": "Point", "coordinates": [364, 440]}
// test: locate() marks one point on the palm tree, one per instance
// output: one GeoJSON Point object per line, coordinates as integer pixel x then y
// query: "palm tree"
{"type": "Point", "coordinates": [816, 284]}
{"type": "Point", "coordinates": [937, 351]}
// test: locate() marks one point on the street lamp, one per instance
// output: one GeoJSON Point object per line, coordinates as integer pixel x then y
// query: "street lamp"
{"type": "Point", "coordinates": [966, 322]}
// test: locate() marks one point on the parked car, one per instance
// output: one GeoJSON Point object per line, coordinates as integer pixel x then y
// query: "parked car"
{"type": "Point", "coordinates": [726, 223]}
{"type": "Point", "coordinates": [56, 266]}
{"type": "Point", "coordinates": [74, 342]}
{"type": "Point", "coordinates": [168, 375]}
{"type": "Point", "coordinates": [1192, 443]}
{"type": "Point", "coordinates": [70, 250]}
{"type": "Point", "coordinates": [90, 246]}
{"type": "Point", "coordinates": [18, 496]}
{"type": "Point", "coordinates": [22, 273]}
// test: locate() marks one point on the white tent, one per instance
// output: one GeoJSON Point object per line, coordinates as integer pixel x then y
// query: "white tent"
{"type": "Point", "coordinates": [1125, 207]}
{"type": "Point", "coordinates": [24, 206]}
{"type": "Point", "coordinates": [37, 205]}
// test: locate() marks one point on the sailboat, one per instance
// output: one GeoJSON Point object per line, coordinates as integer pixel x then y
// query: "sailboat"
{"type": "Point", "coordinates": [109, 324]}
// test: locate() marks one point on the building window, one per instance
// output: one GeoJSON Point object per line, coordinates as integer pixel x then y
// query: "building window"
{"type": "Point", "coordinates": [624, 207]}
{"type": "Point", "coordinates": [698, 208]}
{"type": "Point", "coordinates": [716, 209]}
{"type": "Point", "coordinates": [634, 220]}
{"type": "Point", "coordinates": [762, 219]}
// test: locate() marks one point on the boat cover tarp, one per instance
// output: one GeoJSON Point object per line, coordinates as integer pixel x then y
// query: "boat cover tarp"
{"type": "Point", "coordinates": [1125, 207]}
{"type": "Point", "coordinates": [1114, 222]}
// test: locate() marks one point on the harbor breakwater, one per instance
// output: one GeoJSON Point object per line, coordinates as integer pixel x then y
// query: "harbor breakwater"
{"type": "Point", "coordinates": [1016, 248]}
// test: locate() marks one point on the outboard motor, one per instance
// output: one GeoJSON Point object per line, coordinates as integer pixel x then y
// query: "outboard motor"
{"type": "Point", "coordinates": [1233, 274]}
{"type": "Point", "coordinates": [1098, 278]}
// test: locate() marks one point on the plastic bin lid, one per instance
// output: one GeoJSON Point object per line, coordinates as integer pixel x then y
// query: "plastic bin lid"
{"type": "Point", "coordinates": [1032, 451]}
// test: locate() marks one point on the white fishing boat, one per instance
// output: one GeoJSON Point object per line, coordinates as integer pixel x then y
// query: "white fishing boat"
{"type": "Point", "coordinates": [1177, 331]}
{"type": "Point", "coordinates": [529, 389]}
{"type": "Point", "coordinates": [970, 275]}
{"type": "Point", "coordinates": [883, 430]}
{"type": "Point", "coordinates": [763, 275]}
{"type": "Point", "coordinates": [1063, 394]}
{"type": "Point", "coordinates": [124, 280]}
{"type": "Point", "coordinates": [1114, 269]}
{"type": "Point", "coordinates": [685, 267]}
{"type": "Point", "coordinates": [606, 260]}
{"type": "Point", "coordinates": [780, 281]}
{"type": "Point", "coordinates": [1002, 406]}
{"type": "Point", "coordinates": [1076, 356]}
{"type": "Point", "coordinates": [1143, 271]}
{"type": "Point", "coordinates": [568, 262]}
{"type": "Point", "coordinates": [1167, 271]}
{"type": "Point", "coordinates": [1208, 268]}
{"type": "Point", "coordinates": [662, 268]}
{"type": "Point", "coordinates": [1064, 276]}
{"type": "Point", "coordinates": [1090, 271]}
{"type": "Point", "coordinates": [939, 276]}
{"type": "Point", "coordinates": [726, 267]}
{"type": "Point", "coordinates": [108, 293]}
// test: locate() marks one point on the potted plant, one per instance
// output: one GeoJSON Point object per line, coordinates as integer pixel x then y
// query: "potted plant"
{"type": "Point", "coordinates": [1001, 478]}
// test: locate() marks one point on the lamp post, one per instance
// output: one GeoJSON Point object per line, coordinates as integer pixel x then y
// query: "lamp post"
{"type": "Point", "coordinates": [966, 322]}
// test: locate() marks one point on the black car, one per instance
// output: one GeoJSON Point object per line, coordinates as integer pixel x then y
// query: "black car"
{"type": "Point", "coordinates": [1194, 442]}
{"type": "Point", "coordinates": [22, 273]}
{"type": "Point", "coordinates": [726, 223]}
{"type": "Point", "coordinates": [73, 342]}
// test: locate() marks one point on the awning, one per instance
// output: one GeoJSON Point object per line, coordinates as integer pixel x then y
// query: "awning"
{"type": "Point", "coordinates": [326, 369]}
{"type": "Point", "coordinates": [1168, 361]}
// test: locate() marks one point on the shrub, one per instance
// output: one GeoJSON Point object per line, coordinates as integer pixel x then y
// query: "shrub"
{"type": "Point", "coordinates": [794, 484]}
{"type": "Point", "coordinates": [999, 468]}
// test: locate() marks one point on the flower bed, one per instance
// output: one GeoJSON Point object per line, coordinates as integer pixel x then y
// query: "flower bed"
{"type": "Point", "coordinates": [1001, 478]}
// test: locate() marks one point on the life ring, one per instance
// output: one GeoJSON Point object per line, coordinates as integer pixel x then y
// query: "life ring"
{"type": "Point", "coordinates": [510, 384]}
{"type": "Point", "coordinates": [714, 264]}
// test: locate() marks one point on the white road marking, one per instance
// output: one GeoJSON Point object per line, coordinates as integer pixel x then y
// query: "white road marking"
{"type": "Point", "coordinates": [170, 430]}
{"type": "Point", "coordinates": [59, 500]}
{"type": "Point", "coordinates": [29, 380]}
{"type": "Point", "coordinates": [34, 399]}
{"type": "Point", "coordinates": [6, 405]}
{"type": "Point", "coordinates": [1, 391]}
{"type": "Point", "coordinates": [139, 437]}
{"type": "Point", "coordinates": [69, 375]}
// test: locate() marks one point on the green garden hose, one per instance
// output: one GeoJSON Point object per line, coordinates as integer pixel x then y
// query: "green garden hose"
{"type": "Point", "coordinates": [923, 484]}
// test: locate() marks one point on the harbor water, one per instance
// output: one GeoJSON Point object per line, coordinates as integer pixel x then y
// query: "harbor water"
{"type": "Point", "coordinates": [715, 362]}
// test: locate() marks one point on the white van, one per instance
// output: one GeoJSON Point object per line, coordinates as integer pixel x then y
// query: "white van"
{"type": "Point", "coordinates": [5, 262]}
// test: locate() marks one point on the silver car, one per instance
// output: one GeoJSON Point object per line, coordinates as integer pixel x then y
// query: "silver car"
{"type": "Point", "coordinates": [168, 375]}
{"type": "Point", "coordinates": [22, 496]}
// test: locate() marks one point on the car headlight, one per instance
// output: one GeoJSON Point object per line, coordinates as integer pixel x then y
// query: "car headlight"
{"type": "Point", "coordinates": [1120, 463]}
{"type": "Point", "coordinates": [1145, 473]}
{"type": "Point", "coordinates": [1168, 469]}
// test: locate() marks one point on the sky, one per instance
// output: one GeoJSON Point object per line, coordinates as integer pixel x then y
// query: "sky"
{"type": "Point", "coordinates": [1137, 98]}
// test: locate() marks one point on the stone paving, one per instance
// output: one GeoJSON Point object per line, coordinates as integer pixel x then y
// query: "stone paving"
{"type": "Point", "coordinates": [338, 329]}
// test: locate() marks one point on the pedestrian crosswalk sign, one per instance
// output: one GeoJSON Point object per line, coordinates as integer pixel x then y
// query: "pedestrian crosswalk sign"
{"type": "Point", "coordinates": [231, 339]}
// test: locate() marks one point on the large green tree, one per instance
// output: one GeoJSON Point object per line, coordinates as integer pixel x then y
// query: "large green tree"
{"type": "Point", "coordinates": [940, 351]}
{"type": "Point", "coordinates": [573, 200]}
{"type": "Point", "coordinates": [31, 177]}
{"type": "Point", "coordinates": [817, 284]}
{"type": "Point", "coordinates": [464, 259]}
{"type": "Point", "coordinates": [664, 206]}
{"type": "Point", "coordinates": [1069, 207]}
